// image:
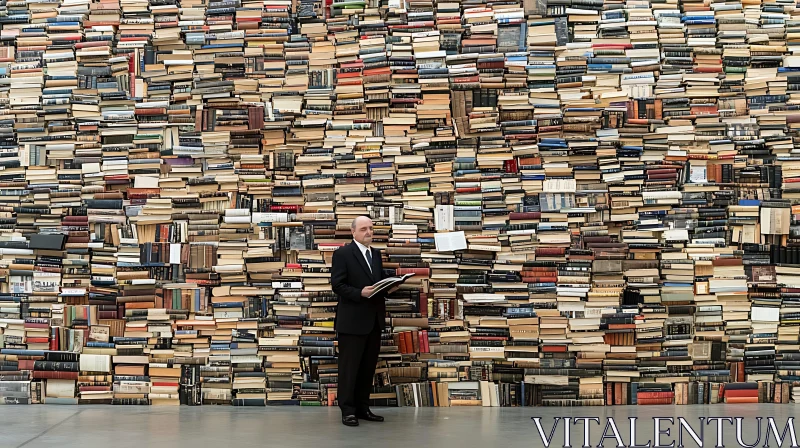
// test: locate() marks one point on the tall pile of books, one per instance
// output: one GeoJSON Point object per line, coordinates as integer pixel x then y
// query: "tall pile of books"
{"type": "Point", "coordinates": [598, 199]}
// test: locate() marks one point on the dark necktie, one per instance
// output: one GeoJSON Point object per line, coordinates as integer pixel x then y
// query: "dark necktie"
{"type": "Point", "coordinates": [369, 259]}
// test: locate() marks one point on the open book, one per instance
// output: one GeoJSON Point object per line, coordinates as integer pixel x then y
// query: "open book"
{"type": "Point", "coordinates": [389, 282]}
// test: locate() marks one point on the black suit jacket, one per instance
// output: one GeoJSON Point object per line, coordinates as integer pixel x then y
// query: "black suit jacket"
{"type": "Point", "coordinates": [349, 275]}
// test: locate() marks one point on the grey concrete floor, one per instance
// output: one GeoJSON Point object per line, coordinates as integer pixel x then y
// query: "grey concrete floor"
{"type": "Point", "coordinates": [217, 426]}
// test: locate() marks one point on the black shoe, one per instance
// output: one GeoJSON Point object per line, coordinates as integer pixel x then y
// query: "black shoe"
{"type": "Point", "coordinates": [370, 417]}
{"type": "Point", "coordinates": [349, 420]}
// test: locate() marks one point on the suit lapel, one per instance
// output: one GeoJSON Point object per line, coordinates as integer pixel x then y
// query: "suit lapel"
{"type": "Point", "coordinates": [361, 260]}
{"type": "Point", "coordinates": [375, 272]}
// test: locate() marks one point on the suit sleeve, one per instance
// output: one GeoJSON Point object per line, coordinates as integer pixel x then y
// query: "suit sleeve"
{"type": "Point", "coordinates": [339, 279]}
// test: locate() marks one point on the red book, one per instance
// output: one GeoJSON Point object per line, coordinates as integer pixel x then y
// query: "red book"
{"type": "Point", "coordinates": [652, 401]}
{"type": "Point", "coordinates": [40, 374]}
{"type": "Point", "coordinates": [539, 279]}
{"type": "Point", "coordinates": [741, 393]}
{"type": "Point", "coordinates": [409, 341]}
{"type": "Point", "coordinates": [741, 399]}
{"type": "Point", "coordinates": [94, 388]}
{"type": "Point", "coordinates": [554, 348]}
{"type": "Point", "coordinates": [26, 364]}
{"type": "Point", "coordinates": [401, 343]}
{"type": "Point", "coordinates": [647, 395]}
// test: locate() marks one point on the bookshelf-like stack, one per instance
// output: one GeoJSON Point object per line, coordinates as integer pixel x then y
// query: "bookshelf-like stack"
{"type": "Point", "coordinates": [598, 199]}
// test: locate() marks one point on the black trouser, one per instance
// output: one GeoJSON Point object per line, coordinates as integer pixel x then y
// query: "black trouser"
{"type": "Point", "coordinates": [358, 356]}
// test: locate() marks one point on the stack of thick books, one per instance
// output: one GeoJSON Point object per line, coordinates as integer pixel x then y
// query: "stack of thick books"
{"type": "Point", "coordinates": [598, 198]}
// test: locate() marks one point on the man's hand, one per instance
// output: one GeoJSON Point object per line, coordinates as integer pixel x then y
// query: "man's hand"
{"type": "Point", "coordinates": [367, 291]}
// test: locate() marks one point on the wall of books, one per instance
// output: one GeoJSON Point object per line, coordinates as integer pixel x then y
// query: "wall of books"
{"type": "Point", "coordinates": [597, 198]}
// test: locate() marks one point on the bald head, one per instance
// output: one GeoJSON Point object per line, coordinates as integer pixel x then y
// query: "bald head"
{"type": "Point", "coordinates": [361, 227]}
{"type": "Point", "coordinates": [360, 220]}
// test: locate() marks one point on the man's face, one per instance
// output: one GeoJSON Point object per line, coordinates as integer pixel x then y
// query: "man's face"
{"type": "Point", "coordinates": [363, 231]}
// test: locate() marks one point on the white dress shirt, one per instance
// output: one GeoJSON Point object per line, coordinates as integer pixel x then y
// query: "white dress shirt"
{"type": "Point", "coordinates": [364, 250]}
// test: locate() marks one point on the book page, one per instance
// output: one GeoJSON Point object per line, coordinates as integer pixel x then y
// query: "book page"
{"type": "Point", "coordinates": [447, 242]}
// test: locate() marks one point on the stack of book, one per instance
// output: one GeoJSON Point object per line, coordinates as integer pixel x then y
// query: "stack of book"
{"type": "Point", "coordinates": [15, 384]}
{"type": "Point", "coordinates": [598, 199]}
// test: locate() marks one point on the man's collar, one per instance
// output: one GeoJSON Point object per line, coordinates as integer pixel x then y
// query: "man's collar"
{"type": "Point", "coordinates": [361, 247]}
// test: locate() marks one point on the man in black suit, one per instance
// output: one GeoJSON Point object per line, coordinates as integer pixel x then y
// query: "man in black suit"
{"type": "Point", "coordinates": [359, 320]}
